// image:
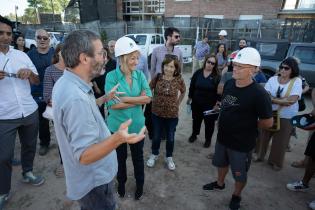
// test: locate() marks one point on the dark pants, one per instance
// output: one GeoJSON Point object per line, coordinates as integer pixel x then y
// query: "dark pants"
{"type": "Point", "coordinates": [27, 127]}
{"type": "Point", "coordinates": [44, 132]}
{"type": "Point", "coordinates": [160, 124]}
{"type": "Point", "coordinates": [148, 119]}
{"type": "Point", "coordinates": [209, 120]}
{"type": "Point", "coordinates": [137, 160]}
{"type": "Point", "coordinates": [99, 198]}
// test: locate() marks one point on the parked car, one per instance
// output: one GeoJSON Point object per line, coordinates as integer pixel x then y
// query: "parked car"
{"type": "Point", "coordinates": [147, 42]}
{"type": "Point", "coordinates": [30, 41]}
{"type": "Point", "coordinates": [274, 51]}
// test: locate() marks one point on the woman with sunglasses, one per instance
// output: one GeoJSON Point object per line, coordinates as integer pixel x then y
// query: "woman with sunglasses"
{"type": "Point", "coordinates": [285, 89]}
{"type": "Point", "coordinates": [169, 91]}
{"type": "Point", "coordinates": [203, 96]}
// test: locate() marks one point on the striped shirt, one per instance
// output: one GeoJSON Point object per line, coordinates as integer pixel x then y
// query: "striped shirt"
{"type": "Point", "coordinates": [52, 74]}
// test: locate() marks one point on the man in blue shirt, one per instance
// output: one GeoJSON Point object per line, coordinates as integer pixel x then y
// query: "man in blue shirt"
{"type": "Point", "coordinates": [41, 57]}
{"type": "Point", "coordinates": [201, 49]}
{"type": "Point", "coordinates": [86, 145]}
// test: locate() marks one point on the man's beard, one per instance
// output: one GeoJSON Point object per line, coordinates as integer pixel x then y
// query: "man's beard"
{"type": "Point", "coordinates": [97, 69]}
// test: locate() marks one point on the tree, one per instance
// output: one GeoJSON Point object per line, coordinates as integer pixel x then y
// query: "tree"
{"type": "Point", "coordinates": [29, 17]}
{"type": "Point", "coordinates": [35, 4]}
{"type": "Point", "coordinates": [47, 6]}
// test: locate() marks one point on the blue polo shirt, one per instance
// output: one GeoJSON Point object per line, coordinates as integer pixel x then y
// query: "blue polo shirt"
{"type": "Point", "coordinates": [118, 116]}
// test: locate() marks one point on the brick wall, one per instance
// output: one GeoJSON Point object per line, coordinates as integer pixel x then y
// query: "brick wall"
{"type": "Point", "coordinates": [231, 9]}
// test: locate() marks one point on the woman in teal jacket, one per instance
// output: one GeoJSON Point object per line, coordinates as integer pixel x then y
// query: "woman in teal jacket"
{"type": "Point", "coordinates": [129, 106]}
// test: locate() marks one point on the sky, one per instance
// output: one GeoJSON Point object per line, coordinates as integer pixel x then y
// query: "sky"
{"type": "Point", "coordinates": [7, 6]}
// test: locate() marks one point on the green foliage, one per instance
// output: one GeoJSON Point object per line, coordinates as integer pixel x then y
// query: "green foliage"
{"type": "Point", "coordinates": [29, 16]}
{"type": "Point", "coordinates": [48, 5]}
{"type": "Point", "coordinates": [43, 6]}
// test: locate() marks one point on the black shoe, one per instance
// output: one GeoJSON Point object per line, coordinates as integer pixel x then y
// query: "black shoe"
{"type": "Point", "coordinates": [192, 138]}
{"type": "Point", "coordinates": [139, 192]}
{"type": "Point", "coordinates": [213, 186]}
{"type": "Point", "coordinates": [121, 190]}
{"type": "Point", "coordinates": [235, 202]}
{"type": "Point", "coordinates": [207, 144]}
{"type": "Point", "coordinates": [43, 150]}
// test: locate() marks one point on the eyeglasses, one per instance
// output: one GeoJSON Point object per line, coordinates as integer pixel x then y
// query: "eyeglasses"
{"type": "Point", "coordinates": [45, 38]}
{"type": "Point", "coordinates": [171, 56]}
{"type": "Point", "coordinates": [212, 63]}
{"type": "Point", "coordinates": [286, 68]}
{"type": "Point", "coordinates": [279, 91]}
{"type": "Point", "coordinates": [5, 32]}
{"type": "Point", "coordinates": [177, 36]}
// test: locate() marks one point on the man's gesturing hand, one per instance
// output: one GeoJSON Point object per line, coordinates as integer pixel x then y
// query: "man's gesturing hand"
{"type": "Point", "coordinates": [130, 138]}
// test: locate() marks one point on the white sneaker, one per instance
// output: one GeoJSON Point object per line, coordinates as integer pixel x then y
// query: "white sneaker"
{"type": "Point", "coordinates": [297, 186]}
{"type": "Point", "coordinates": [312, 205]}
{"type": "Point", "coordinates": [170, 163]}
{"type": "Point", "coordinates": [151, 160]}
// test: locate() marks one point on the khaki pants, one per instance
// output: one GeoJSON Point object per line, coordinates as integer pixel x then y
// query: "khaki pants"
{"type": "Point", "coordinates": [280, 141]}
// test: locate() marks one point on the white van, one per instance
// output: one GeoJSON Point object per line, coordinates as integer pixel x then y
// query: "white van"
{"type": "Point", "coordinates": [147, 42]}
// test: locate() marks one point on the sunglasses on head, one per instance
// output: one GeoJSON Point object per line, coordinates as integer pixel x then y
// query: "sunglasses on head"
{"type": "Point", "coordinates": [171, 56]}
{"type": "Point", "coordinates": [45, 38]}
{"type": "Point", "coordinates": [212, 63]}
{"type": "Point", "coordinates": [284, 67]}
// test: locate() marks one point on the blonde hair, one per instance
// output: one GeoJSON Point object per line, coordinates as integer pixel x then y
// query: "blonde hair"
{"type": "Point", "coordinates": [123, 60]}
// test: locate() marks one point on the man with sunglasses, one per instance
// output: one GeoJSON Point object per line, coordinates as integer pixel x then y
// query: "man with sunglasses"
{"type": "Point", "coordinates": [245, 106]}
{"type": "Point", "coordinates": [201, 49]}
{"type": "Point", "coordinates": [172, 37]}
{"type": "Point", "coordinates": [41, 57]}
{"type": "Point", "coordinates": [18, 111]}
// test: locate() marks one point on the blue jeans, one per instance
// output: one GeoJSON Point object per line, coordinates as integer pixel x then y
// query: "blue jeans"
{"type": "Point", "coordinates": [167, 124]}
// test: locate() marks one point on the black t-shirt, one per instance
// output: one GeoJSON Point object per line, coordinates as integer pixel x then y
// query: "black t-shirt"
{"type": "Point", "coordinates": [100, 81]}
{"type": "Point", "coordinates": [240, 110]}
{"type": "Point", "coordinates": [203, 91]}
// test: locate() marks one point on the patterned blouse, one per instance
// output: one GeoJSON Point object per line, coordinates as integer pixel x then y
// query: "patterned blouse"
{"type": "Point", "coordinates": [165, 97]}
{"type": "Point", "coordinates": [52, 74]}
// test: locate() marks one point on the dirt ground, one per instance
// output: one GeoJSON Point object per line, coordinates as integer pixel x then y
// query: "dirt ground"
{"type": "Point", "coordinates": [181, 189]}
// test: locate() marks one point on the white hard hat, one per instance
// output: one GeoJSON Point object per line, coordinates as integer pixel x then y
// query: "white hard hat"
{"type": "Point", "coordinates": [223, 33]}
{"type": "Point", "coordinates": [248, 55]}
{"type": "Point", "coordinates": [125, 45]}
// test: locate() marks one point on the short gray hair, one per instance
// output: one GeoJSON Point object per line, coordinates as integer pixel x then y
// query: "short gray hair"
{"type": "Point", "coordinates": [78, 42]}
{"type": "Point", "coordinates": [111, 42]}
{"type": "Point", "coordinates": [41, 30]}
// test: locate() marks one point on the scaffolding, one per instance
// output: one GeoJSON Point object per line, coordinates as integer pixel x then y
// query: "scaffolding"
{"type": "Point", "coordinates": [143, 9]}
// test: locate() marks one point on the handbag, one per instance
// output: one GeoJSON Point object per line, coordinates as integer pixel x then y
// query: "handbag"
{"type": "Point", "coordinates": [276, 121]}
{"type": "Point", "coordinates": [302, 105]}
{"type": "Point", "coordinates": [276, 113]}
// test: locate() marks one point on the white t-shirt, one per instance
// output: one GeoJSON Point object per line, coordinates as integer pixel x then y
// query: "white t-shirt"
{"type": "Point", "coordinates": [272, 86]}
{"type": "Point", "coordinates": [16, 100]}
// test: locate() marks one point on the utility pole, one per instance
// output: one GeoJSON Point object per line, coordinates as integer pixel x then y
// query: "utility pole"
{"type": "Point", "coordinates": [16, 18]}
{"type": "Point", "coordinates": [53, 11]}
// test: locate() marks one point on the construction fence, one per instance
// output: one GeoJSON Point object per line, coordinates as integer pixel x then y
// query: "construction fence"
{"type": "Point", "coordinates": [192, 29]}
